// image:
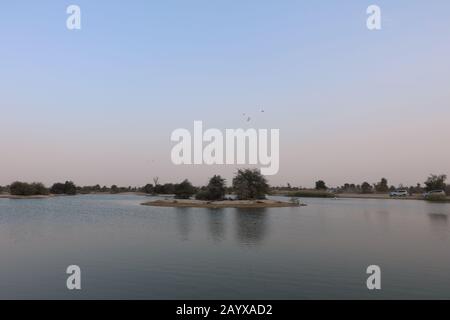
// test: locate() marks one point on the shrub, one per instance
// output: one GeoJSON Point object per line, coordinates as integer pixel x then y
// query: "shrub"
{"type": "Point", "coordinates": [436, 197]}
{"type": "Point", "coordinates": [68, 188]}
{"type": "Point", "coordinates": [27, 189]}
{"type": "Point", "coordinates": [250, 184]}
{"type": "Point", "coordinates": [214, 191]}
{"type": "Point", "coordinates": [436, 182]}
{"type": "Point", "coordinates": [184, 190]}
{"type": "Point", "coordinates": [148, 188]}
{"type": "Point", "coordinates": [320, 185]}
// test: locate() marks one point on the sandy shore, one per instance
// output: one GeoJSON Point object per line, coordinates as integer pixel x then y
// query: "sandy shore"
{"type": "Point", "coordinates": [220, 204]}
{"type": "Point", "coordinates": [8, 196]}
{"type": "Point", "coordinates": [381, 196]}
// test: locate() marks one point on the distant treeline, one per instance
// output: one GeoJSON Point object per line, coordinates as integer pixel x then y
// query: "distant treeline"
{"type": "Point", "coordinates": [247, 184]}
{"type": "Point", "coordinates": [433, 182]}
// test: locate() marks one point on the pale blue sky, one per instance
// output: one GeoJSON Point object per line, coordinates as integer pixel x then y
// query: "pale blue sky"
{"type": "Point", "coordinates": [98, 105]}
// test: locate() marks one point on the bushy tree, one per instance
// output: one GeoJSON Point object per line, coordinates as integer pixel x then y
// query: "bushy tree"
{"type": "Point", "coordinates": [436, 182]}
{"type": "Point", "coordinates": [68, 188]}
{"type": "Point", "coordinates": [320, 185]}
{"type": "Point", "coordinates": [250, 184]}
{"type": "Point", "coordinates": [215, 190]}
{"type": "Point", "coordinates": [27, 189]}
{"type": "Point", "coordinates": [184, 190]}
{"type": "Point", "coordinates": [148, 188]}
{"type": "Point", "coordinates": [382, 186]}
{"type": "Point", "coordinates": [114, 189]}
{"type": "Point", "coordinates": [167, 188]}
{"type": "Point", "coordinates": [366, 188]}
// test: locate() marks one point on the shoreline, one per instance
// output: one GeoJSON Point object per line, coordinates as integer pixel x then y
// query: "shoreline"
{"type": "Point", "coordinates": [181, 203]}
{"type": "Point", "coordinates": [13, 197]}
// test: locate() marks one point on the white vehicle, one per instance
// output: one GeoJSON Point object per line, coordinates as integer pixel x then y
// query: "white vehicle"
{"type": "Point", "coordinates": [399, 193]}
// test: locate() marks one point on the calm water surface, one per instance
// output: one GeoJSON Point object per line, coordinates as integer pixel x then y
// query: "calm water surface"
{"type": "Point", "coordinates": [126, 250]}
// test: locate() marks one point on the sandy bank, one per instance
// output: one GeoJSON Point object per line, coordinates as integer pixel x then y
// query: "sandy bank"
{"type": "Point", "coordinates": [9, 196]}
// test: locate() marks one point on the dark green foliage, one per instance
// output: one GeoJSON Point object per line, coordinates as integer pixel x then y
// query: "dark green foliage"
{"type": "Point", "coordinates": [436, 182]}
{"type": "Point", "coordinates": [366, 188]}
{"type": "Point", "coordinates": [167, 188]}
{"type": "Point", "coordinates": [68, 188]}
{"type": "Point", "coordinates": [215, 190]}
{"type": "Point", "coordinates": [184, 190]}
{"type": "Point", "coordinates": [114, 189]}
{"type": "Point", "coordinates": [148, 188]}
{"type": "Point", "coordinates": [382, 186]}
{"type": "Point", "coordinates": [320, 185]}
{"type": "Point", "coordinates": [27, 189]}
{"type": "Point", "coordinates": [250, 184]}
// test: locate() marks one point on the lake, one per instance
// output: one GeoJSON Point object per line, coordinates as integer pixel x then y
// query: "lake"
{"type": "Point", "coordinates": [129, 251]}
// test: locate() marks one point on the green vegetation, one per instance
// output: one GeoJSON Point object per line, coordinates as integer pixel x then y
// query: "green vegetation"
{"type": "Point", "coordinates": [214, 191]}
{"type": "Point", "coordinates": [436, 182]}
{"type": "Point", "coordinates": [250, 184]}
{"type": "Point", "coordinates": [148, 188]}
{"type": "Point", "coordinates": [184, 190]}
{"type": "Point", "coordinates": [27, 189]}
{"type": "Point", "coordinates": [167, 188]}
{"type": "Point", "coordinates": [436, 197]}
{"type": "Point", "coordinates": [68, 188]}
{"type": "Point", "coordinates": [382, 186]}
{"type": "Point", "coordinates": [366, 188]}
{"type": "Point", "coordinates": [320, 185]}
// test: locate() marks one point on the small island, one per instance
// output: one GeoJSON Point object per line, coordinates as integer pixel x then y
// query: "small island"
{"type": "Point", "coordinates": [250, 188]}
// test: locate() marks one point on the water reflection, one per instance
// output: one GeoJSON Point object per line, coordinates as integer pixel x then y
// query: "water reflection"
{"type": "Point", "coordinates": [216, 224]}
{"type": "Point", "coordinates": [439, 224]}
{"type": "Point", "coordinates": [184, 224]}
{"type": "Point", "coordinates": [383, 218]}
{"type": "Point", "coordinates": [251, 225]}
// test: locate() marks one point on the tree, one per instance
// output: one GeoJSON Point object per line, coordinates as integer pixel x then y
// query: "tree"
{"type": "Point", "coordinates": [436, 182]}
{"type": "Point", "coordinates": [167, 188]}
{"type": "Point", "coordinates": [114, 189]}
{"type": "Point", "coordinates": [68, 188]}
{"type": "Point", "coordinates": [320, 185]}
{"type": "Point", "coordinates": [57, 188]}
{"type": "Point", "coordinates": [250, 184]}
{"type": "Point", "coordinates": [382, 186]}
{"type": "Point", "coordinates": [184, 190]}
{"type": "Point", "coordinates": [148, 188]}
{"type": "Point", "coordinates": [366, 188]}
{"type": "Point", "coordinates": [215, 190]}
{"type": "Point", "coordinates": [26, 189]}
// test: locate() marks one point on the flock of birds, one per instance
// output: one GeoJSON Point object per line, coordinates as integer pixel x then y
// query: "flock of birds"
{"type": "Point", "coordinates": [248, 117]}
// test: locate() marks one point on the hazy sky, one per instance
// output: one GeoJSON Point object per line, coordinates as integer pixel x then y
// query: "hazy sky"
{"type": "Point", "coordinates": [98, 105]}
